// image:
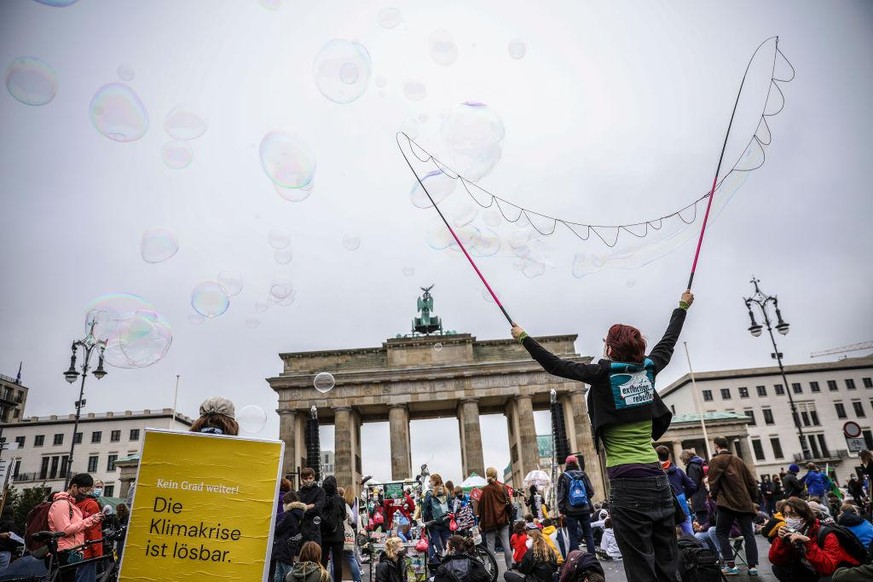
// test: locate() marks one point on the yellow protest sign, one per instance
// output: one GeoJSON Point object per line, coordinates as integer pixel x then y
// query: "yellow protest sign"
{"type": "Point", "coordinates": [204, 506]}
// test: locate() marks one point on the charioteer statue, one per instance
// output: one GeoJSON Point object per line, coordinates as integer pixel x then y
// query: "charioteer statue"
{"type": "Point", "coordinates": [426, 323]}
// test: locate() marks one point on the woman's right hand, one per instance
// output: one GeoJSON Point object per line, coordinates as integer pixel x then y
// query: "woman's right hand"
{"type": "Point", "coordinates": [687, 297]}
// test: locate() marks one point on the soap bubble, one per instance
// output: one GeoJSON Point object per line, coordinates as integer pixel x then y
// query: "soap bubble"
{"type": "Point", "coordinates": [231, 282]}
{"type": "Point", "coordinates": [125, 72]}
{"type": "Point", "coordinates": [117, 112]}
{"type": "Point", "coordinates": [473, 131]}
{"type": "Point", "coordinates": [517, 49]}
{"type": "Point", "coordinates": [284, 301]}
{"type": "Point", "coordinates": [279, 239]}
{"type": "Point", "coordinates": [389, 17]}
{"type": "Point", "coordinates": [251, 419]}
{"type": "Point", "coordinates": [414, 90]}
{"type": "Point", "coordinates": [261, 307]}
{"type": "Point", "coordinates": [283, 256]}
{"type": "Point", "coordinates": [342, 70]}
{"type": "Point", "coordinates": [252, 323]}
{"type": "Point", "coordinates": [177, 155]}
{"type": "Point", "coordinates": [183, 124]}
{"type": "Point", "coordinates": [438, 185]}
{"type": "Point", "coordinates": [31, 81]}
{"type": "Point", "coordinates": [281, 287]}
{"type": "Point", "coordinates": [287, 159]}
{"type": "Point", "coordinates": [443, 49]}
{"type": "Point", "coordinates": [158, 244]}
{"type": "Point", "coordinates": [408, 271]}
{"type": "Point", "coordinates": [438, 347]}
{"type": "Point", "coordinates": [136, 335]}
{"type": "Point", "coordinates": [208, 299]}
{"type": "Point", "coordinates": [294, 194]}
{"type": "Point", "coordinates": [324, 382]}
{"type": "Point", "coordinates": [352, 242]}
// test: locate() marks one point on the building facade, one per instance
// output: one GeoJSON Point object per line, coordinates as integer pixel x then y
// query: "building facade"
{"type": "Point", "coordinates": [40, 445]}
{"type": "Point", "coordinates": [13, 397]}
{"type": "Point", "coordinates": [826, 396]}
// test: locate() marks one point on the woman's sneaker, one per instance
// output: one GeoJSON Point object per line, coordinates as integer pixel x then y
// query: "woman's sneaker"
{"type": "Point", "coordinates": [730, 571]}
{"type": "Point", "coordinates": [753, 571]}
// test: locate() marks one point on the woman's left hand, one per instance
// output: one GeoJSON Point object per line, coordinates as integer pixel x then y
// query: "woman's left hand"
{"type": "Point", "coordinates": [516, 331]}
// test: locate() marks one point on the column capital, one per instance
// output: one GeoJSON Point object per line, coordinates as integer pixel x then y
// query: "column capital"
{"type": "Point", "coordinates": [470, 400]}
{"type": "Point", "coordinates": [286, 411]}
{"type": "Point", "coordinates": [398, 405]}
{"type": "Point", "coordinates": [342, 409]}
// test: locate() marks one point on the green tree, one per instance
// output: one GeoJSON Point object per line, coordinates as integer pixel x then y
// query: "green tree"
{"type": "Point", "coordinates": [22, 501]}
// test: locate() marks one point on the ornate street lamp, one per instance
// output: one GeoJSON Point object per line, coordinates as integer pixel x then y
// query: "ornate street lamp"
{"type": "Point", "coordinates": [89, 344]}
{"type": "Point", "coordinates": [761, 301]}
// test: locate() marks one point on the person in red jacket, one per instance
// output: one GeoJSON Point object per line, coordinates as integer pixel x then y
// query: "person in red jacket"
{"type": "Point", "coordinates": [796, 555]}
{"type": "Point", "coordinates": [93, 538]}
{"type": "Point", "coordinates": [518, 541]}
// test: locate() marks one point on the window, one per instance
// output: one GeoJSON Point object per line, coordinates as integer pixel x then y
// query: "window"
{"type": "Point", "coordinates": [780, 389]}
{"type": "Point", "coordinates": [59, 439]}
{"type": "Point", "coordinates": [868, 439]}
{"type": "Point", "coordinates": [110, 462]}
{"type": "Point", "coordinates": [108, 490]}
{"type": "Point", "coordinates": [707, 395]}
{"type": "Point", "coordinates": [53, 472]}
{"type": "Point", "coordinates": [868, 382]}
{"type": "Point", "coordinates": [78, 438]}
{"type": "Point", "coordinates": [822, 445]}
{"type": "Point", "coordinates": [798, 389]}
{"type": "Point", "coordinates": [44, 467]}
{"type": "Point", "coordinates": [832, 385]}
{"type": "Point", "coordinates": [726, 393]}
{"type": "Point", "coordinates": [777, 447]}
{"type": "Point", "coordinates": [751, 415]}
{"type": "Point", "coordinates": [841, 409]}
{"type": "Point", "coordinates": [762, 390]}
{"type": "Point", "coordinates": [814, 416]}
{"type": "Point", "coordinates": [744, 392]}
{"type": "Point", "coordinates": [96, 436]}
{"type": "Point", "coordinates": [39, 440]}
{"type": "Point", "coordinates": [808, 413]}
{"type": "Point", "coordinates": [134, 434]}
{"type": "Point", "coordinates": [850, 384]}
{"type": "Point", "coordinates": [65, 464]}
{"type": "Point", "coordinates": [758, 448]}
{"type": "Point", "coordinates": [19, 440]}
{"type": "Point", "coordinates": [115, 436]}
{"type": "Point", "coordinates": [92, 463]}
{"type": "Point", "coordinates": [814, 387]}
{"type": "Point", "coordinates": [768, 416]}
{"type": "Point", "coordinates": [805, 416]}
{"type": "Point", "coordinates": [859, 409]}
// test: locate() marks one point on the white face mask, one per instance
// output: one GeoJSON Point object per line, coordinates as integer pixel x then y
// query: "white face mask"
{"type": "Point", "coordinates": [794, 522]}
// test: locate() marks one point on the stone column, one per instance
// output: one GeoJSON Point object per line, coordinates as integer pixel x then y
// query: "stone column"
{"type": "Point", "coordinates": [343, 450]}
{"type": "Point", "coordinates": [472, 458]}
{"type": "Point", "coordinates": [742, 446]}
{"type": "Point", "coordinates": [291, 433]}
{"type": "Point", "coordinates": [512, 433]}
{"type": "Point", "coordinates": [401, 453]}
{"type": "Point", "coordinates": [677, 450]}
{"type": "Point", "coordinates": [581, 438]}
{"type": "Point", "coordinates": [356, 452]}
{"type": "Point", "coordinates": [527, 434]}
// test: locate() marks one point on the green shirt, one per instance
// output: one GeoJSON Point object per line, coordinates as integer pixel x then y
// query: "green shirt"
{"type": "Point", "coordinates": [629, 443]}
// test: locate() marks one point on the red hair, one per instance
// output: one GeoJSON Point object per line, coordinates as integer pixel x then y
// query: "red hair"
{"type": "Point", "coordinates": [626, 342]}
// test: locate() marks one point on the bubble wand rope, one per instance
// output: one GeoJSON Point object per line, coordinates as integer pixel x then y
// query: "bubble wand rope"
{"type": "Point", "coordinates": [446, 222]}
{"type": "Point", "coordinates": [721, 157]}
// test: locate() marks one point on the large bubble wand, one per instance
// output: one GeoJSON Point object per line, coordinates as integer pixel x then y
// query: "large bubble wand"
{"type": "Point", "coordinates": [448, 226]}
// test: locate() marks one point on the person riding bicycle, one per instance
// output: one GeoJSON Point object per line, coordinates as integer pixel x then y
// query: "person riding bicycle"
{"type": "Point", "coordinates": [65, 516]}
{"type": "Point", "coordinates": [460, 563]}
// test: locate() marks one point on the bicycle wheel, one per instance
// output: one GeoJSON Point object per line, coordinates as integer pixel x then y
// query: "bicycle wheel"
{"type": "Point", "coordinates": [489, 560]}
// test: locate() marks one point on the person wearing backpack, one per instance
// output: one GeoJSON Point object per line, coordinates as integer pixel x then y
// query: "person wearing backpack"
{"type": "Point", "coordinates": [333, 516]}
{"type": "Point", "coordinates": [460, 563]}
{"type": "Point", "coordinates": [65, 516]}
{"type": "Point", "coordinates": [805, 549]}
{"type": "Point", "coordinates": [850, 518]}
{"type": "Point", "coordinates": [575, 493]}
{"type": "Point", "coordinates": [791, 485]}
{"type": "Point", "coordinates": [627, 414]}
{"type": "Point", "coordinates": [435, 509]}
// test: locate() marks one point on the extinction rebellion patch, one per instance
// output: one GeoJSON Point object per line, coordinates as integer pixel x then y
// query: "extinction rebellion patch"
{"type": "Point", "coordinates": [632, 384]}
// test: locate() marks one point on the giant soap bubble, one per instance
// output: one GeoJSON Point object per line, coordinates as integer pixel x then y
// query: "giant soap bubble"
{"type": "Point", "coordinates": [158, 244]}
{"type": "Point", "coordinates": [117, 112]}
{"type": "Point", "coordinates": [324, 382]}
{"type": "Point", "coordinates": [136, 335]}
{"type": "Point", "coordinates": [287, 159]}
{"type": "Point", "coordinates": [251, 419]}
{"type": "Point", "coordinates": [209, 300]}
{"type": "Point", "coordinates": [342, 70]}
{"type": "Point", "coordinates": [31, 81]}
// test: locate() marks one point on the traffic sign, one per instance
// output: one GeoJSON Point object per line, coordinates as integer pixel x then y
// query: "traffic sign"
{"type": "Point", "coordinates": [855, 445]}
{"type": "Point", "coordinates": [852, 430]}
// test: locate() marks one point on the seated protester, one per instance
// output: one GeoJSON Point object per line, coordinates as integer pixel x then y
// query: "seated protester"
{"type": "Point", "coordinates": [581, 566]}
{"type": "Point", "coordinates": [834, 504]}
{"type": "Point", "coordinates": [609, 545]}
{"type": "Point", "coordinates": [858, 574]}
{"type": "Point", "coordinates": [285, 548]}
{"type": "Point", "coordinates": [460, 563]}
{"type": "Point", "coordinates": [308, 567]}
{"type": "Point", "coordinates": [392, 563]}
{"type": "Point", "coordinates": [796, 554]}
{"type": "Point", "coordinates": [851, 519]}
{"type": "Point", "coordinates": [518, 541]}
{"type": "Point", "coordinates": [561, 538]}
{"type": "Point", "coordinates": [65, 516]}
{"type": "Point", "coordinates": [549, 530]}
{"type": "Point", "coordinates": [7, 544]}
{"type": "Point", "coordinates": [539, 563]}
{"type": "Point", "coordinates": [761, 517]}
{"type": "Point", "coordinates": [769, 529]}
{"type": "Point", "coordinates": [597, 520]}
{"type": "Point", "coordinates": [821, 511]}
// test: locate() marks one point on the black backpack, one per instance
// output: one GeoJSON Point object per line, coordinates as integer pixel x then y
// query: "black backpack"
{"type": "Point", "coordinates": [697, 563]}
{"type": "Point", "coordinates": [333, 514]}
{"type": "Point", "coordinates": [848, 541]}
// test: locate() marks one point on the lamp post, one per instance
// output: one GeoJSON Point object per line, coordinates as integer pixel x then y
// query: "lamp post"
{"type": "Point", "coordinates": [762, 300]}
{"type": "Point", "coordinates": [89, 344]}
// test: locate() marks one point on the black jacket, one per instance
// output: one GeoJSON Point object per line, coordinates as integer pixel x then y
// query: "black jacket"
{"type": "Point", "coordinates": [461, 568]}
{"type": "Point", "coordinates": [536, 570]}
{"type": "Point", "coordinates": [334, 506]}
{"type": "Point", "coordinates": [388, 570]}
{"type": "Point", "coordinates": [287, 527]}
{"type": "Point", "coordinates": [563, 491]}
{"type": "Point", "coordinates": [694, 470]}
{"type": "Point", "coordinates": [602, 403]}
{"type": "Point", "coordinates": [792, 485]}
{"type": "Point", "coordinates": [312, 495]}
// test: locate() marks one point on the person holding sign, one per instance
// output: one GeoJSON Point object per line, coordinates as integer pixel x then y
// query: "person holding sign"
{"type": "Point", "coordinates": [216, 417]}
{"type": "Point", "coordinates": [626, 415]}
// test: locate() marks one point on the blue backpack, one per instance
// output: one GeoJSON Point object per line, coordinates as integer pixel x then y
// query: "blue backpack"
{"type": "Point", "coordinates": [577, 493]}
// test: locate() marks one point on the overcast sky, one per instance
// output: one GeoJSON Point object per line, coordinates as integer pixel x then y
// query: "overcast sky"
{"type": "Point", "coordinates": [614, 114]}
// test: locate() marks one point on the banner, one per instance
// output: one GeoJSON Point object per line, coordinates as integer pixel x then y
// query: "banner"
{"type": "Point", "coordinates": [203, 508]}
